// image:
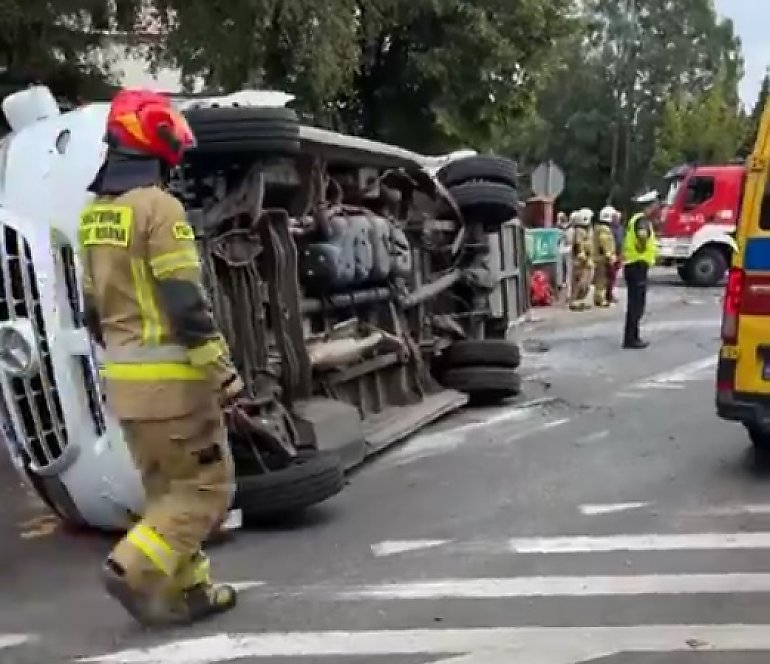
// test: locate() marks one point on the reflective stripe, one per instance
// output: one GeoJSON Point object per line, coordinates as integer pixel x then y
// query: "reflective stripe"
{"type": "Point", "coordinates": [145, 299]}
{"type": "Point", "coordinates": [152, 371]}
{"type": "Point", "coordinates": [166, 264]}
{"type": "Point", "coordinates": [154, 547]}
{"type": "Point", "coordinates": [145, 354]}
{"type": "Point", "coordinates": [208, 353]}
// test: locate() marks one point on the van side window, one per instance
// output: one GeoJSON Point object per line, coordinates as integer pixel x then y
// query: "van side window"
{"type": "Point", "coordinates": [764, 214]}
{"type": "Point", "coordinates": [699, 190]}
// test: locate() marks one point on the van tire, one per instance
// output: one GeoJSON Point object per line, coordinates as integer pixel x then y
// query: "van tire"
{"type": "Point", "coordinates": [236, 129]}
{"type": "Point", "coordinates": [488, 203]}
{"type": "Point", "coordinates": [310, 479]}
{"type": "Point", "coordinates": [484, 385]}
{"type": "Point", "coordinates": [484, 352]}
{"type": "Point", "coordinates": [482, 167]}
{"type": "Point", "coordinates": [706, 268]}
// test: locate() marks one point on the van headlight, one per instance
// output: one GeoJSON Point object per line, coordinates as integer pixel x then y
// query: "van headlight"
{"type": "Point", "coordinates": [18, 349]}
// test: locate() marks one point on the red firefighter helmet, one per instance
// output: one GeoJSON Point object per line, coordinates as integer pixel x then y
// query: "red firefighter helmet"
{"type": "Point", "coordinates": [144, 122]}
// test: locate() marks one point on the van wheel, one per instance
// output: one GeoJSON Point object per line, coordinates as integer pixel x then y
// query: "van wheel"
{"type": "Point", "coordinates": [273, 131]}
{"type": "Point", "coordinates": [760, 440]}
{"type": "Point", "coordinates": [308, 480]}
{"type": "Point", "coordinates": [706, 267]}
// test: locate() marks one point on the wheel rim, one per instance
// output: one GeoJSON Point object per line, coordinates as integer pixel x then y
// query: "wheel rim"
{"type": "Point", "coordinates": [705, 269]}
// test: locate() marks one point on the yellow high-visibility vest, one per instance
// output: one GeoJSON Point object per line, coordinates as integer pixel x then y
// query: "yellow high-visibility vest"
{"type": "Point", "coordinates": [631, 253]}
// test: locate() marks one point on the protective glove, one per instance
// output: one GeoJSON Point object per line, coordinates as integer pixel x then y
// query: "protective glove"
{"type": "Point", "coordinates": [231, 389]}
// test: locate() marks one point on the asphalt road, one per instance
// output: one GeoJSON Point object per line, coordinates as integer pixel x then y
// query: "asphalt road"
{"type": "Point", "coordinates": [607, 517]}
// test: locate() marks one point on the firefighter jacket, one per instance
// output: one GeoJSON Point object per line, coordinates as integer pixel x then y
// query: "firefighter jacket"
{"type": "Point", "coordinates": [604, 244]}
{"type": "Point", "coordinates": [146, 304]}
{"type": "Point", "coordinates": [582, 246]}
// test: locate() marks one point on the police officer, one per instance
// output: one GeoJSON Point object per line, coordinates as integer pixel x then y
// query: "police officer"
{"type": "Point", "coordinates": [167, 368]}
{"type": "Point", "coordinates": [639, 253]}
{"type": "Point", "coordinates": [604, 255]}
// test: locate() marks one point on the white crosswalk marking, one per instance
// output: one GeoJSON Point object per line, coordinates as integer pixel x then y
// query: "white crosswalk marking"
{"type": "Point", "coordinates": [584, 544]}
{"type": "Point", "coordinates": [580, 643]}
{"type": "Point", "coordinates": [675, 378]}
{"type": "Point", "coordinates": [565, 586]}
{"type": "Point", "coordinates": [572, 643]}
{"type": "Point", "coordinates": [14, 640]}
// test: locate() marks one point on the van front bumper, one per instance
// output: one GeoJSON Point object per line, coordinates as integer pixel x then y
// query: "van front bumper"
{"type": "Point", "coordinates": [749, 409]}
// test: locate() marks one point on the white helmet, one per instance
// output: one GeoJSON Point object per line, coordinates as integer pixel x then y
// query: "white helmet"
{"type": "Point", "coordinates": [647, 198]}
{"type": "Point", "coordinates": [574, 218]}
{"type": "Point", "coordinates": [607, 214]}
{"type": "Point", "coordinates": [585, 216]}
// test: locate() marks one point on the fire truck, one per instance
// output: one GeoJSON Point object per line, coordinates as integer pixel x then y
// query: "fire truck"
{"type": "Point", "coordinates": [699, 221]}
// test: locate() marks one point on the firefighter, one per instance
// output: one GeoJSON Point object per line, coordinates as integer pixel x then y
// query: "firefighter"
{"type": "Point", "coordinates": [167, 368]}
{"type": "Point", "coordinates": [604, 255]}
{"type": "Point", "coordinates": [582, 260]}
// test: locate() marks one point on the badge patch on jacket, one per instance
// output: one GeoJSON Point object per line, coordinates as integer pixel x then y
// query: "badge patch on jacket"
{"type": "Point", "coordinates": [183, 231]}
{"type": "Point", "coordinates": [108, 225]}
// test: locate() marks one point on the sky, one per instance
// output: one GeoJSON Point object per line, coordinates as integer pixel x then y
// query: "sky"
{"type": "Point", "coordinates": [751, 19]}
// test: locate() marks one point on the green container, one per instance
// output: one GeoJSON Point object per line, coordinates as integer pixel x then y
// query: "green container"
{"type": "Point", "coordinates": [543, 245]}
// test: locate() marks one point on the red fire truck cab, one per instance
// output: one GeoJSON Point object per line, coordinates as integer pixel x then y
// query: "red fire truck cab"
{"type": "Point", "coordinates": [699, 221]}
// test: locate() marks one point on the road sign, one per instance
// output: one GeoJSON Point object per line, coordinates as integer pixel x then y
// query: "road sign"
{"type": "Point", "coordinates": [542, 245]}
{"type": "Point", "coordinates": [548, 180]}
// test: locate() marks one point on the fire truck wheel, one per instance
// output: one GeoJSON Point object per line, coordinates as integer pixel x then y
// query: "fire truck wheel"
{"type": "Point", "coordinates": [235, 129]}
{"type": "Point", "coordinates": [309, 480]}
{"type": "Point", "coordinates": [706, 267]}
{"type": "Point", "coordinates": [482, 167]}
{"type": "Point", "coordinates": [487, 203]}
{"type": "Point", "coordinates": [484, 352]}
{"type": "Point", "coordinates": [484, 385]}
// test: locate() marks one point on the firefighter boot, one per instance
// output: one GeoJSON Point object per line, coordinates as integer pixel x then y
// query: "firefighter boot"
{"type": "Point", "coordinates": [149, 608]}
{"type": "Point", "coordinates": [197, 596]}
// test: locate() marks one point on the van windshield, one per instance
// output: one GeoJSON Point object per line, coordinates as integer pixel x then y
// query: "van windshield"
{"type": "Point", "coordinates": [673, 186]}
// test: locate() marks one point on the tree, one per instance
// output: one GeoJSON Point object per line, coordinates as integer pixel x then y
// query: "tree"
{"type": "Point", "coordinates": [438, 75]}
{"type": "Point", "coordinates": [752, 123]}
{"type": "Point", "coordinates": [427, 74]}
{"type": "Point", "coordinates": [58, 43]}
{"type": "Point", "coordinates": [606, 106]}
{"type": "Point", "coordinates": [305, 47]}
{"type": "Point", "coordinates": [706, 128]}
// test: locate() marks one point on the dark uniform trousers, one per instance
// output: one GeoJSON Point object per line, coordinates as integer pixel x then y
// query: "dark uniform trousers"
{"type": "Point", "coordinates": [635, 275]}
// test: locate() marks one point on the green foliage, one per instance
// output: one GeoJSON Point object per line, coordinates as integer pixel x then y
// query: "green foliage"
{"type": "Point", "coordinates": [427, 74]}
{"type": "Point", "coordinates": [752, 123]}
{"type": "Point", "coordinates": [57, 42]}
{"type": "Point", "coordinates": [707, 128]}
{"type": "Point", "coordinates": [620, 90]}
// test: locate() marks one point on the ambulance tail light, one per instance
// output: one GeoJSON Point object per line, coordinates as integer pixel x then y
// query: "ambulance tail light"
{"type": "Point", "coordinates": [733, 303]}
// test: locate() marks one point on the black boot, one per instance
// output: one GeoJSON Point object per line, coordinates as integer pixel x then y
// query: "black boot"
{"type": "Point", "coordinates": [636, 344]}
{"type": "Point", "coordinates": [207, 600]}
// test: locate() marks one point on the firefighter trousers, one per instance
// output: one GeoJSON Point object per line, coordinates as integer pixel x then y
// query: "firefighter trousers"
{"type": "Point", "coordinates": [601, 280]}
{"type": "Point", "coordinates": [187, 471]}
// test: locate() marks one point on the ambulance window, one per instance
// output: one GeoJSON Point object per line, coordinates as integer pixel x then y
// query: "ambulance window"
{"type": "Point", "coordinates": [699, 190]}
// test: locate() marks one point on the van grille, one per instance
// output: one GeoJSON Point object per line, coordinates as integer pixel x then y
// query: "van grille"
{"type": "Point", "coordinates": [35, 400]}
{"type": "Point", "coordinates": [87, 367]}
